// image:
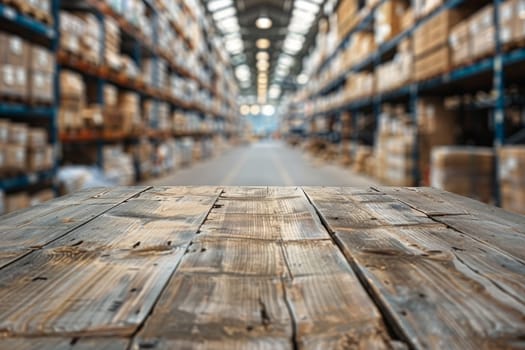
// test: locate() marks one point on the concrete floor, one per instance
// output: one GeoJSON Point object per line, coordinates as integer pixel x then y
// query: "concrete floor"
{"type": "Point", "coordinates": [267, 163]}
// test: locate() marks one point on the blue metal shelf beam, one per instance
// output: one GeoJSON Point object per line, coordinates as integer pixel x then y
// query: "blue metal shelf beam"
{"type": "Point", "coordinates": [27, 180]}
{"type": "Point", "coordinates": [18, 110]}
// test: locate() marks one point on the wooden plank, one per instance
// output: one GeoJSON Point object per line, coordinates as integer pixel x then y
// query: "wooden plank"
{"type": "Point", "coordinates": [482, 222]}
{"type": "Point", "coordinates": [36, 227]}
{"type": "Point", "coordinates": [492, 233]}
{"type": "Point", "coordinates": [236, 257]}
{"type": "Point", "coordinates": [434, 294]}
{"type": "Point", "coordinates": [198, 308]}
{"type": "Point", "coordinates": [335, 310]}
{"type": "Point", "coordinates": [254, 193]}
{"type": "Point", "coordinates": [480, 210]}
{"type": "Point", "coordinates": [426, 202]}
{"type": "Point", "coordinates": [259, 343]}
{"type": "Point", "coordinates": [68, 291]}
{"type": "Point", "coordinates": [362, 210]}
{"type": "Point", "coordinates": [321, 258]}
{"type": "Point", "coordinates": [104, 277]}
{"type": "Point", "coordinates": [112, 343]}
{"type": "Point", "coordinates": [264, 227]}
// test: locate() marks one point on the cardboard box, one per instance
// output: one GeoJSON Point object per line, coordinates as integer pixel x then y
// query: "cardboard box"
{"type": "Point", "coordinates": [4, 131]}
{"type": "Point", "coordinates": [467, 171]}
{"type": "Point", "coordinates": [432, 64]}
{"type": "Point", "coordinates": [40, 159]}
{"type": "Point", "coordinates": [483, 44]}
{"type": "Point", "coordinates": [16, 201]}
{"type": "Point", "coordinates": [13, 81]}
{"type": "Point", "coordinates": [460, 43]}
{"type": "Point", "coordinates": [41, 87]}
{"type": "Point", "coordinates": [15, 157]}
{"type": "Point", "coordinates": [435, 33]}
{"type": "Point", "coordinates": [37, 138]}
{"type": "Point", "coordinates": [18, 134]}
{"type": "Point", "coordinates": [15, 50]}
{"type": "Point", "coordinates": [387, 18]}
{"type": "Point", "coordinates": [42, 60]}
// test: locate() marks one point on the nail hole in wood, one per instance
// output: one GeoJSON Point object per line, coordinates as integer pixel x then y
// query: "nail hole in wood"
{"type": "Point", "coordinates": [203, 250]}
{"type": "Point", "coordinates": [77, 243]}
{"type": "Point", "coordinates": [73, 341]}
{"type": "Point", "coordinates": [168, 243]}
{"type": "Point", "coordinates": [136, 244]}
{"type": "Point", "coordinates": [403, 312]}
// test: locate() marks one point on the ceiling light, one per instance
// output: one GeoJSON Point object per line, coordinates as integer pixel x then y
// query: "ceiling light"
{"type": "Point", "coordinates": [263, 23]}
{"type": "Point", "coordinates": [263, 65]}
{"type": "Point", "coordinates": [255, 109]}
{"type": "Point", "coordinates": [302, 78]}
{"type": "Point", "coordinates": [268, 110]}
{"type": "Point", "coordinates": [262, 55]}
{"type": "Point", "coordinates": [218, 4]}
{"type": "Point", "coordinates": [306, 6]}
{"type": "Point", "coordinates": [245, 109]}
{"type": "Point", "coordinates": [262, 43]}
{"type": "Point", "coordinates": [224, 13]}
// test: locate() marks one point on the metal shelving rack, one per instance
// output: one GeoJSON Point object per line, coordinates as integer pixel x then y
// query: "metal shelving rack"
{"type": "Point", "coordinates": [410, 93]}
{"type": "Point", "coordinates": [19, 24]}
{"type": "Point", "coordinates": [139, 51]}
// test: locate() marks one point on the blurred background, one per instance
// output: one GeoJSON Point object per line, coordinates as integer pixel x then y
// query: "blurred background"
{"type": "Point", "coordinates": [262, 92]}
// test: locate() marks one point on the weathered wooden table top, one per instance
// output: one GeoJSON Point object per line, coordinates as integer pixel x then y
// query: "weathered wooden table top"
{"type": "Point", "coordinates": [262, 268]}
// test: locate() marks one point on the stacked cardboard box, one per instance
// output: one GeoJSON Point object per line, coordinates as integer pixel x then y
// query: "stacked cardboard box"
{"type": "Point", "coordinates": [436, 127]}
{"type": "Point", "coordinates": [431, 47]}
{"type": "Point", "coordinates": [424, 7]}
{"type": "Point", "coordinates": [143, 153]}
{"type": "Point", "coordinates": [460, 43]}
{"type": "Point", "coordinates": [387, 20]}
{"type": "Point", "coordinates": [394, 148]}
{"type": "Point", "coordinates": [464, 170]}
{"type": "Point", "coordinates": [118, 166]}
{"type": "Point", "coordinates": [398, 72]}
{"type": "Point", "coordinates": [13, 147]}
{"type": "Point", "coordinates": [482, 32]}
{"type": "Point", "coordinates": [41, 75]}
{"type": "Point", "coordinates": [71, 30]}
{"type": "Point", "coordinates": [511, 171]}
{"type": "Point", "coordinates": [14, 63]}
{"type": "Point", "coordinates": [130, 111]}
{"type": "Point", "coordinates": [346, 17]}
{"type": "Point", "coordinates": [362, 154]}
{"type": "Point", "coordinates": [72, 100]}
{"type": "Point", "coordinates": [112, 44]}
{"type": "Point", "coordinates": [39, 154]}
{"type": "Point", "coordinates": [23, 148]}
{"type": "Point", "coordinates": [512, 22]}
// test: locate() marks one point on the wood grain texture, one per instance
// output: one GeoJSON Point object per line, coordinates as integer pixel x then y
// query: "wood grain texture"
{"type": "Point", "coordinates": [34, 228]}
{"type": "Point", "coordinates": [485, 223]}
{"type": "Point", "coordinates": [438, 287]}
{"type": "Point", "coordinates": [198, 308]}
{"type": "Point", "coordinates": [244, 280]}
{"type": "Point", "coordinates": [113, 343]}
{"type": "Point", "coordinates": [69, 291]}
{"type": "Point", "coordinates": [235, 257]}
{"type": "Point", "coordinates": [104, 277]}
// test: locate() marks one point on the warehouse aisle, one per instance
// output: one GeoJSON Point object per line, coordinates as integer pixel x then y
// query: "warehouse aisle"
{"type": "Point", "coordinates": [267, 163]}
